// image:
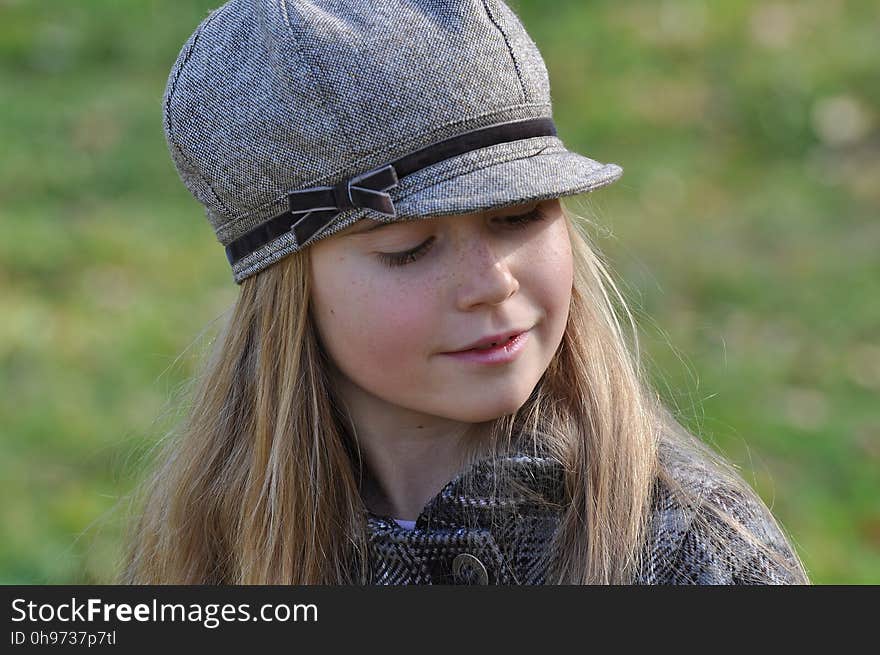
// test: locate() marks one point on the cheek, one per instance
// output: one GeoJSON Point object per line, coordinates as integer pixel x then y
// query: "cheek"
{"type": "Point", "coordinates": [392, 326]}
{"type": "Point", "coordinates": [368, 323]}
{"type": "Point", "coordinates": [553, 277]}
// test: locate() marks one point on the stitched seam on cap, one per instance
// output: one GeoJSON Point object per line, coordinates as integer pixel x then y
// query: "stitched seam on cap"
{"type": "Point", "coordinates": [497, 25]}
{"type": "Point", "coordinates": [171, 91]}
{"type": "Point", "coordinates": [314, 67]}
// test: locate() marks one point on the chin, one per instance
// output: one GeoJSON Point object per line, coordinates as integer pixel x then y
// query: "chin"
{"type": "Point", "coordinates": [489, 411]}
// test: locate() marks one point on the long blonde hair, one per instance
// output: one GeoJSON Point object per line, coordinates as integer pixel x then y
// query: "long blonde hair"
{"type": "Point", "coordinates": [261, 483]}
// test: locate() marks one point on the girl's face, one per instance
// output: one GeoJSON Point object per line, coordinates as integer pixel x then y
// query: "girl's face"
{"type": "Point", "coordinates": [391, 303]}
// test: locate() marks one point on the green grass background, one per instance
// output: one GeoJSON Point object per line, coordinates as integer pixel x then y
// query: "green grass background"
{"type": "Point", "coordinates": [744, 232]}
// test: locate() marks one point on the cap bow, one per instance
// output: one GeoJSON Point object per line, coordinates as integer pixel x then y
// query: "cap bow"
{"type": "Point", "coordinates": [321, 204]}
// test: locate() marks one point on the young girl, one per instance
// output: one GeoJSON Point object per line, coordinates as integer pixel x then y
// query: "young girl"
{"type": "Point", "coordinates": [423, 380]}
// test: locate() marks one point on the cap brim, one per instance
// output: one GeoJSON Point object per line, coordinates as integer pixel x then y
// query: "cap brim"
{"type": "Point", "coordinates": [500, 176]}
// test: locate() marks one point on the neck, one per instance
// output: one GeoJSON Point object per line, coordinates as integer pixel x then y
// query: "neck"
{"type": "Point", "coordinates": [406, 472]}
{"type": "Point", "coordinates": [409, 456]}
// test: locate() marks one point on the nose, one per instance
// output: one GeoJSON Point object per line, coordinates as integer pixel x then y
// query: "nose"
{"type": "Point", "coordinates": [484, 273]}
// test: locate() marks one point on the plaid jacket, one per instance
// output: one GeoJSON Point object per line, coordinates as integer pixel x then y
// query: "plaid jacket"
{"type": "Point", "coordinates": [477, 530]}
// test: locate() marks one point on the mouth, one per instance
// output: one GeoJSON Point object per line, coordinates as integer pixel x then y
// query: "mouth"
{"type": "Point", "coordinates": [500, 351]}
{"type": "Point", "coordinates": [492, 342]}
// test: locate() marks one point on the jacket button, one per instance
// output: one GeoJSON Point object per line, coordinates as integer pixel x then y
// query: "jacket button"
{"type": "Point", "coordinates": [467, 569]}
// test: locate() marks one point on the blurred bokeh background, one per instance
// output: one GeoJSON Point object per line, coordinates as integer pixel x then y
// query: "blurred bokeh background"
{"type": "Point", "coordinates": [744, 233]}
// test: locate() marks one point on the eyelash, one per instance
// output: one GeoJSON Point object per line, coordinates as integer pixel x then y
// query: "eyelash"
{"type": "Point", "coordinates": [403, 258]}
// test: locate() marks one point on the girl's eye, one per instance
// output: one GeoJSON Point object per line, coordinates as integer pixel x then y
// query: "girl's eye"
{"type": "Point", "coordinates": [403, 258]}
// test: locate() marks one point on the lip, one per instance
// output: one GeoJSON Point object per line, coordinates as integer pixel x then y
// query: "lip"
{"type": "Point", "coordinates": [504, 353]}
{"type": "Point", "coordinates": [493, 338]}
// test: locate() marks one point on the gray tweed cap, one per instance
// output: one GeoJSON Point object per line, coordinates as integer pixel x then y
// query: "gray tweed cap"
{"type": "Point", "coordinates": [290, 120]}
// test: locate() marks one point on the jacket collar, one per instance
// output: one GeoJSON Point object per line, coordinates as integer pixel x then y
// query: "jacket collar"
{"type": "Point", "coordinates": [488, 525]}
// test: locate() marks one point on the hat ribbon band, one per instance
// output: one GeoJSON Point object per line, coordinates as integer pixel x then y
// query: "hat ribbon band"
{"type": "Point", "coordinates": [312, 210]}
